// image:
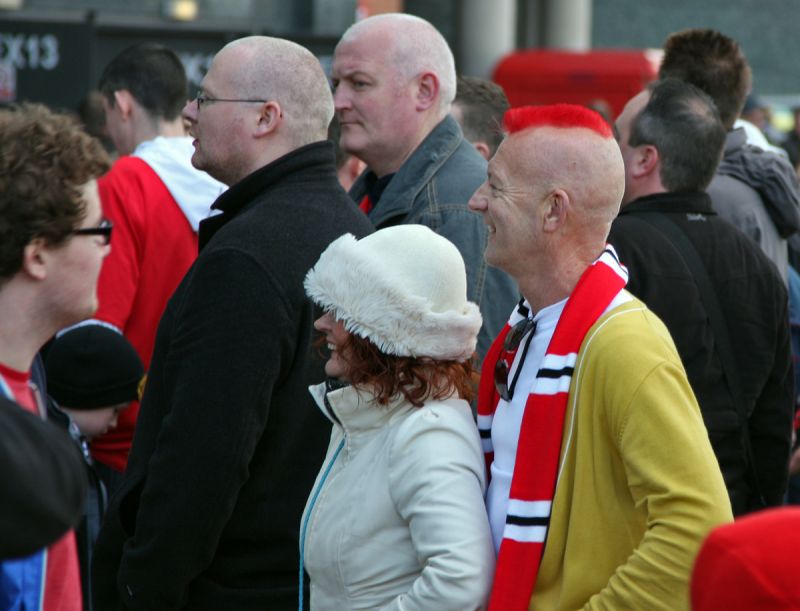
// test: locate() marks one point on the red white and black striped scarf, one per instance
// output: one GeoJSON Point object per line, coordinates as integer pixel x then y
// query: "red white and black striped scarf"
{"type": "Point", "coordinates": [533, 482]}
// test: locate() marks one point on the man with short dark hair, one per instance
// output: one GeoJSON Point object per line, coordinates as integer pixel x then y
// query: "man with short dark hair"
{"type": "Point", "coordinates": [479, 107]}
{"type": "Point", "coordinates": [394, 80]}
{"type": "Point", "coordinates": [53, 239]}
{"type": "Point", "coordinates": [603, 482]}
{"type": "Point", "coordinates": [671, 139]}
{"type": "Point", "coordinates": [229, 441]}
{"type": "Point", "coordinates": [755, 190]}
{"type": "Point", "coordinates": [156, 200]}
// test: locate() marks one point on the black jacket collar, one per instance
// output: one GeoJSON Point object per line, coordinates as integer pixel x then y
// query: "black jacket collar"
{"type": "Point", "coordinates": [697, 202]}
{"type": "Point", "coordinates": [312, 159]}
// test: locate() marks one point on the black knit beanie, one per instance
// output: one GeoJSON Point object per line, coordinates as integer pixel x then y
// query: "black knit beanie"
{"type": "Point", "coordinates": [91, 367]}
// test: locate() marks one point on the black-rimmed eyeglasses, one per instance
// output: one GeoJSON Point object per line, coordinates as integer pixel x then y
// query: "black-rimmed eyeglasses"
{"type": "Point", "coordinates": [524, 327]}
{"type": "Point", "coordinates": [202, 98]}
{"type": "Point", "coordinates": [103, 230]}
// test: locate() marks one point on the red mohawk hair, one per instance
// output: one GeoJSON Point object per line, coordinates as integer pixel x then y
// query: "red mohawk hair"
{"type": "Point", "coordinates": [555, 115]}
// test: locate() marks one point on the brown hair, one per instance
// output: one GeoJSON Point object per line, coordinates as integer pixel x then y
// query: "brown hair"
{"type": "Point", "coordinates": [483, 104]}
{"type": "Point", "coordinates": [713, 62]}
{"type": "Point", "coordinates": [415, 378]}
{"type": "Point", "coordinates": [45, 159]}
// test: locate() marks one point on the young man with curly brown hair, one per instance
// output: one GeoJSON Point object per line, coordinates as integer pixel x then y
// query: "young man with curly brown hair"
{"type": "Point", "coordinates": [53, 239]}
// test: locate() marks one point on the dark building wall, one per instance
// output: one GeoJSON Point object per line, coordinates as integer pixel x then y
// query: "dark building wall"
{"type": "Point", "coordinates": [766, 29]}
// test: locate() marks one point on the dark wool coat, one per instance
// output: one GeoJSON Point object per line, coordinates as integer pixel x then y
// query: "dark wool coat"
{"type": "Point", "coordinates": [229, 441]}
{"type": "Point", "coordinates": [753, 301]}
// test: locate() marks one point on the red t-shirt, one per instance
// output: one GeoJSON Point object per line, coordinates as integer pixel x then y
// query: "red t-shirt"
{"type": "Point", "coordinates": [62, 587]}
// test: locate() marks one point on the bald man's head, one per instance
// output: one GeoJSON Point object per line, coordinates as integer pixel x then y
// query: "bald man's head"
{"type": "Point", "coordinates": [571, 148]}
{"type": "Point", "coordinates": [275, 69]}
{"type": "Point", "coordinates": [552, 190]}
{"type": "Point", "coordinates": [413, 46]}
{"type": "Point", "coordinates": [261, 99]}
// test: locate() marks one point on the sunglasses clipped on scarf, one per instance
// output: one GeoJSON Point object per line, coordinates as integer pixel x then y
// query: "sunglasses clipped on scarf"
{"type": "Point", "coordinates": [525, 327]}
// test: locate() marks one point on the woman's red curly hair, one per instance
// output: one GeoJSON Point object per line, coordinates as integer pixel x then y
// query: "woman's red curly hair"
{"type": "Point", "coordinates": [417, 379]}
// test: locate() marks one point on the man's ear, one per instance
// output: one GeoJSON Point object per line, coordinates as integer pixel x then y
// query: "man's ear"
{"type": "Point", "coordinates": [35, 256]}
{"type": "Point", "coordinates": [482, 148]}
{"type": "Point", "coordinates": [124, 100]}
{"type": "Point", "coordinates": [270, 117]}
{"type": "Point", "coordinates": [556, 208]}
{"type": "Point", "coordinates": [427, 90]}
{"type": "Point", "coordinates": [645, 161]}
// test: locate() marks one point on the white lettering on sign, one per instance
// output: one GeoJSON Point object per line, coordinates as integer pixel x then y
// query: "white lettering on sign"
{"type": "Point", "coordinates": [8, 82]}
{"type": "Point", "coordinates": [29, 51]}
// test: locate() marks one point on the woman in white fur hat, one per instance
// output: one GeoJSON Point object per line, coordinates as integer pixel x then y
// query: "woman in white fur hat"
{"type": "Point", "coordinates": [396, 518]}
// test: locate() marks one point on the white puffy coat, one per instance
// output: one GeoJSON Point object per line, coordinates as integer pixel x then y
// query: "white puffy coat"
{"type": "Point", "coordinates": [400, 521]}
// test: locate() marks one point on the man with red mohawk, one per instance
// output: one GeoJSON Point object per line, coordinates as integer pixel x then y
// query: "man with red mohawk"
{"type": "Point", "coordinates": [603, 481]}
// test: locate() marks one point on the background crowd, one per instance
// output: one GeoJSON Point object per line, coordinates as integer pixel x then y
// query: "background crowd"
{"type": "Point", "coordinates": [373, 339]}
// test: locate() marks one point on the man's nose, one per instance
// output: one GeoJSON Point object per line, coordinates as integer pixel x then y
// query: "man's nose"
{"type": "Point", "coordinates": [478, 202]}
{"type": "Point", "coordinates": [341, 99]}
{"type": "Point", "coordinates": [189, 111]}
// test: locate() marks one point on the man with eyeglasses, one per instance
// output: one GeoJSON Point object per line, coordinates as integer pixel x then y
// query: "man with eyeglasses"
{"type": "Point", "coordinates": [53, 239]}
{"type": "Point", "coordinates": [156, 199]}
{"type": "Point", "coordinates": [603, 481]}
{"type": "Point", "coordinates": [228, 441]}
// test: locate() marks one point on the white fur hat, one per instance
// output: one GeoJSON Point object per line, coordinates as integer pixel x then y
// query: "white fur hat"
{"type": "Point", "coordinates": [403, 288]}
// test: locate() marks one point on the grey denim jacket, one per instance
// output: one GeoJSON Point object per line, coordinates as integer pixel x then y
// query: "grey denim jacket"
{"type": "Point", "coordinates": [432, 188]}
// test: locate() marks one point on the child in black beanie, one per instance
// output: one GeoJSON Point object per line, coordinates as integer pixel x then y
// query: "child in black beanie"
{"type": "Point", "coordinates": [92, 374]}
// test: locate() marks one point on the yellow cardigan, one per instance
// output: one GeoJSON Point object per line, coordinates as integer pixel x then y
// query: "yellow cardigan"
{"type": "Point", "coordinates": [639, 486]}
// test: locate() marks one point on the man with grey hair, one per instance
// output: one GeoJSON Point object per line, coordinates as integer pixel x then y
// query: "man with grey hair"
{"type": "Point", "coordinates": [394, 82]}
{"type": "Point", "coordinates": [672, 138]}
{"type": "Point", "coordinates": [228, 440]}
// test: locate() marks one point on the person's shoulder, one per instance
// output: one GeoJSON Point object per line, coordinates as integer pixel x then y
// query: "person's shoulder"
{"type": "Point", "coordinates": [743, 256]}
{"type": "Point", "coordinates": [342, 211]}
{"type": "Point", "coordinates": [465, 161]}
{"type": "Point", "coordinates": [753, 153]}
{"type": "Point", "coordinates": [453, 410]}
{"type": "Point", "coordinates": [284, 237]}
{"type": "Point", "coordinates": [627, 348]}
{"type": "Point", "coordinates": [725, 190]}
{"type": "Point", "coordinates": [435, 434]}
{"type": "Point", "coordinates": [449, 415]}
{"type": "Point", "coordinates": [128, 165]}
{"type": "Point", "coordinates": [307, 221]}
{"type": "Point", "coordinates": [129, 175]}
{"type": "Point", "coordinates": [642, 248]}
{"type": "Point", "coordinates": [463, 169]}
{"type": "Point", "coordinates": [629, 335]}
{"type": "Point", "coordinates": [629, 228]}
